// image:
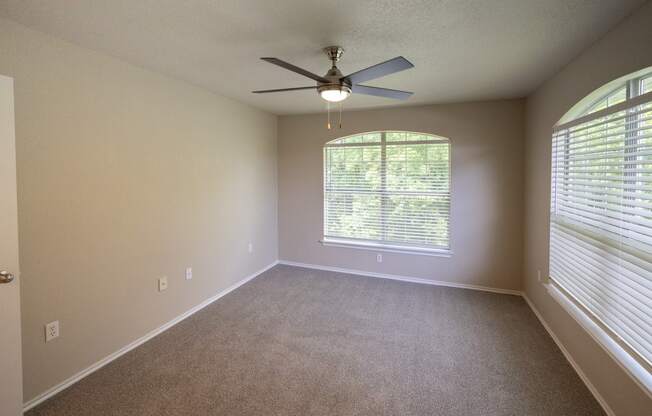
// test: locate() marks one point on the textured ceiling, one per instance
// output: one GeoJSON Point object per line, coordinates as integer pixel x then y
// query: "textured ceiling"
{"type": "Point", "coordinates": [462, 49]}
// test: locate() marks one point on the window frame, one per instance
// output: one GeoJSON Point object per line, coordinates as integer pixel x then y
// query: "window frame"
{"type": "Point", "coordinates": [380, 245]}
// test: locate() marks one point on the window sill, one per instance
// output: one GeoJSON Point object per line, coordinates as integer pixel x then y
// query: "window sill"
{"type": "Point", "coordinates": [421, 251]}
{"type": "Point", "coordinates": [635, 369]}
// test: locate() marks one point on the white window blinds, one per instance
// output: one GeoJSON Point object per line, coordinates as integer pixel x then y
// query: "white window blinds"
{"type": "Point", "coordinates": [389, 188]}
{"type": "Point", "coordinates": [601, 219]}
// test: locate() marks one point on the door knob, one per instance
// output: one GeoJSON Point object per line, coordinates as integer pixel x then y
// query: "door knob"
{"type": "Point", "coordinates": [6, 277]}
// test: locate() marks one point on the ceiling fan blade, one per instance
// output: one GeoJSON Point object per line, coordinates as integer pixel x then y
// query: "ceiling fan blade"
{"type": "Point", "coordinates": [284, 89]}
{"type": "Point", "coordinates": [379, 70]}
{"type": "Point", "coordinates": [381, 92]}
{"type": "Point", "coordinates": [296, 69]}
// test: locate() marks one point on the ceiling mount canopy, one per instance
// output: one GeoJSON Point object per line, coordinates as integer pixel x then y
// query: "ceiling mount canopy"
{"type": "Point", "coordinates": [335, 87]}
{"type": "Point", "coordinates": [334, 53]}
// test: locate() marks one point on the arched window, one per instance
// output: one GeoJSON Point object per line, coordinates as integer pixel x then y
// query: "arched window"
{"type": "Point", "coordinates": [388, 190]}
{"type": "Point", "coordinates": [601, 215]}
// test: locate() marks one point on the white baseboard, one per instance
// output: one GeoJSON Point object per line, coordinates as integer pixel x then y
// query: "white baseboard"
{"type": "Point", "coordinates": [402, 278]}
{"type": "Point", "coordinates": [106, 360]}
{"type": "Point", "coordinates": [570, 359]}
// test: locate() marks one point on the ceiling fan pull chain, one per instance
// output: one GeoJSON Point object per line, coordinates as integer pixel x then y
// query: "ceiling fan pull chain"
{"type": "Point", "coordinates": [328, 110]}
{"type": "Point", "coordinates": [340, 114]}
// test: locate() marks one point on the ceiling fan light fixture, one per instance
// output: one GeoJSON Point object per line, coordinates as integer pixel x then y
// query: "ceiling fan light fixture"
{"type": "Point", "coordinates": [335, 94]}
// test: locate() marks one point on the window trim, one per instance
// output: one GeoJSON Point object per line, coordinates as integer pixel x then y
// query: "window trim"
{"type": "Point", "coordinates": [389, 248]}
{"type": "Point", "coordinates": [379, 245]}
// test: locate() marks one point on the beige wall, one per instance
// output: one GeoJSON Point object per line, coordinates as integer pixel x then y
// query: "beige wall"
{"type": "Point", "coordinates": [125, 175]}
{"type": "Point", "coordinates": [487, 197]}
{"type": "Point", "coordinates": [625, 49]}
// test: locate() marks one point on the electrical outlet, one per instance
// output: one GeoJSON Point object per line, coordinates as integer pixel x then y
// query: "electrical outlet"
{"type": "Point", "coordinates": [379, 258]}
{"type": "Point", "coordinates": [188, 273]}
{"type": "Point", "coordinates": [250, 247]}
{"type": "Point", "coordinates": [51, 331]}
{"type": "Point", "coordinates": [162, 283]}
{"type": "Point", "coordinates": [539, 275]}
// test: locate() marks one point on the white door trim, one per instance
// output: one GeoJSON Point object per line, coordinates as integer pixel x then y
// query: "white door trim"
{"type": "Point", "coordinates": [11, 393]}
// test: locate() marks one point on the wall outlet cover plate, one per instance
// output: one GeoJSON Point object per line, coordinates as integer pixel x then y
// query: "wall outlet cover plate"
{"type": "Point", "coordinates": [51, 331]}
{"type": "Point", "coordinates": [162, 283]}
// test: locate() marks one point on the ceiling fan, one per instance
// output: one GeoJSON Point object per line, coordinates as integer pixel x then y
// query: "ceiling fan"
{"type": "Point", "coordinates": [334, 87]}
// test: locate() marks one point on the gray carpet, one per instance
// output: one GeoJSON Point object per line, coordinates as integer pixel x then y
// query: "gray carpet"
{"type": "Point", "coordinates": [304, 342]}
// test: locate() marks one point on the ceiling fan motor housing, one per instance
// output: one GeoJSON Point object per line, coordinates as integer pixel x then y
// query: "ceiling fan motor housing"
{"type": "Point", "coordinates": [334, 75]}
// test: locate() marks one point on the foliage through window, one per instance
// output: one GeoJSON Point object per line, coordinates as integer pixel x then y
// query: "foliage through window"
{"type": "Point", "coordinates": [388, 188]}
{"type": "Point", "coordinates": [601, 214]}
